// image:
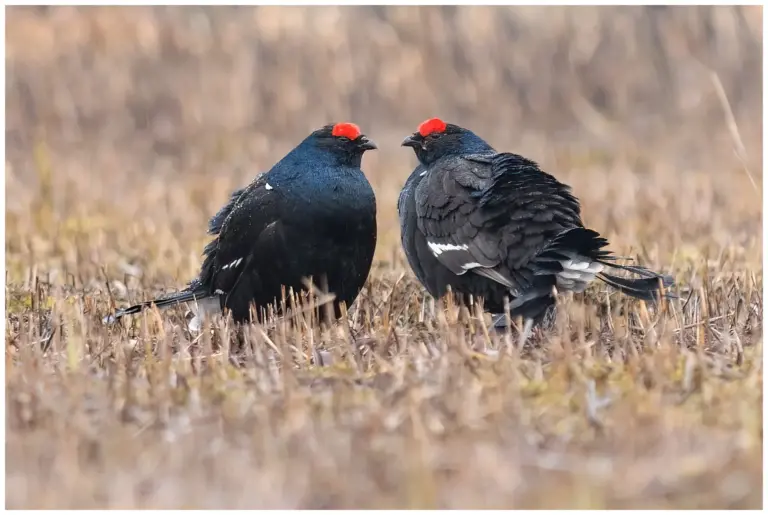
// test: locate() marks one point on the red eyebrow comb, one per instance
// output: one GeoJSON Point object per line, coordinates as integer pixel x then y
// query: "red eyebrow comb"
{"type": "Point", "coordinates": [347, 130]}
{"type": "Point", "coordinates": [430, 126]}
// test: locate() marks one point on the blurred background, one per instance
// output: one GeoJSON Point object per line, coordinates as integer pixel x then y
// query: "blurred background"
{"type": "Point", "coordinates": [137, 113]}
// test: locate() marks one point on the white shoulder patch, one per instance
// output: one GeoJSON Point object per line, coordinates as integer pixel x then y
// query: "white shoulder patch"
{"type": "Point", "coordinates": [233, 264]}
{"type": "Point", "coordinates": [267, 186]}
{"type": "Point", "coordinates": [439, 248]}
{"type": "Point", "coordinates": [422, 174]}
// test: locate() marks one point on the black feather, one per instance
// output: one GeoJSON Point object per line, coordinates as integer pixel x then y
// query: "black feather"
{"type": "Point", "coordinates": [217, 220]}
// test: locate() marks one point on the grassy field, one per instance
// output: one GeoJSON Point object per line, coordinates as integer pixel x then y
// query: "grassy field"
{"type": "Point", "coordinates": [127, 128]}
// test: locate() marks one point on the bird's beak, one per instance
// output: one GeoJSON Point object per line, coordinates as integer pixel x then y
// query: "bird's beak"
{"type": "Point", "coordinates": [410, 141]}
{"type": "Point", "coordinates": [366, 144]}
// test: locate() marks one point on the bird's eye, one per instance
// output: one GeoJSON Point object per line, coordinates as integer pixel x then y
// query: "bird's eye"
{"type": "Point", "coordinates": [344, 139]}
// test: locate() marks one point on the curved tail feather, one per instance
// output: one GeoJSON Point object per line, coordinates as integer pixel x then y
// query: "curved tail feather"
{"type": "Point", "coordinates": [161, 303]}
{"type": "Point", "coordinates": [648, 288]}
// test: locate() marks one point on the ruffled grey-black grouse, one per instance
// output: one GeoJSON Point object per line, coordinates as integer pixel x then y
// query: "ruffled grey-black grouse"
{"type": "Point", "coordinates": [312, 215]}
{"type": "Point", "coordinates": [492, 225]}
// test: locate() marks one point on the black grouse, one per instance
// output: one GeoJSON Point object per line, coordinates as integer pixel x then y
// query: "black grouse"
{"type": "Point", "coordinates": [312, 215]}
{"type": "Point", "coordinates": [492, 225]}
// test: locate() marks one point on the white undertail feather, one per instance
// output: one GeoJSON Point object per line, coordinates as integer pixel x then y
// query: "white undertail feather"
{"type": "Point", "coordinates": [577, 273]}
{"type": "Point", "coordinates": [525, 333]}
{"type": "Point", "coordinates": [202, 309]}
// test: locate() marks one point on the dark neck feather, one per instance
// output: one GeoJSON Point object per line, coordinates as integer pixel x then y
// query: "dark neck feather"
{"type": "Point", "coordinates": [322, 178]}
{"type": "Point", "coordinates": [465, 142]}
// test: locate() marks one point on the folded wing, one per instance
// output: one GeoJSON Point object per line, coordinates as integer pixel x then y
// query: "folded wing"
{"type": "Point", "coordinates": [491, 214]}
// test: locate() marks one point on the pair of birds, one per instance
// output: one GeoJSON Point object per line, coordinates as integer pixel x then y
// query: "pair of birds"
{"type": "Point", "coordinates": [490, 225]}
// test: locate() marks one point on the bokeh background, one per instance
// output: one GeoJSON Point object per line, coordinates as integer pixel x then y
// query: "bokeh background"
{"type": "Point", "coordinates": [127, 127]}
{"type": "Point", "coordinates": [172, 106]}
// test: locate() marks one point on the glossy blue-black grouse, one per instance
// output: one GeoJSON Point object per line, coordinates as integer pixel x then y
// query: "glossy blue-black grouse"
{"type": "Point", "coordinates": [492, 225]}
{"type": "Point", "coordinates": [312, 215]}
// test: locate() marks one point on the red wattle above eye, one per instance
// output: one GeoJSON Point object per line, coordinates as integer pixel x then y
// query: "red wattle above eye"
{"type": "Point", "coordinates": [430, 126]}
{"type": "Point", "coordinates": [346, 130]}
